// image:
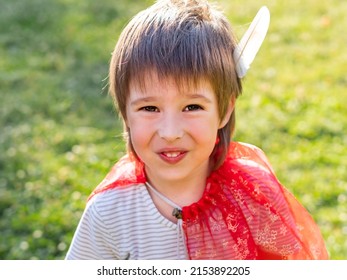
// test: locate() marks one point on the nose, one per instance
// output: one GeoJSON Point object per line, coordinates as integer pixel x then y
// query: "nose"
{"type": "Point", "coordinates": [171, 127]}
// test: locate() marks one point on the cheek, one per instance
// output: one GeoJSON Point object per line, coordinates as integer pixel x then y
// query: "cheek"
{"type": "Point", "coordinates": [140, 135]}
{"type": "Point", "coordinates": [205, 132]}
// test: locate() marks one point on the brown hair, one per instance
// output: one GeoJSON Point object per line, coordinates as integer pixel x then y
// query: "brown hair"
{"type": "Point", "coordinates": [187, 40]}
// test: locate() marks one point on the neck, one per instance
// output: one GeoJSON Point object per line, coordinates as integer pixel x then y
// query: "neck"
{"type": "Point", "coordinates": [182, 192]}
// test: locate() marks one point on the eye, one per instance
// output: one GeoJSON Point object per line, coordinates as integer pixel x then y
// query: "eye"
{"type": "Point", "coordinates": [192, 107]}
{"type": "Point", "coordinates": [149, 109]}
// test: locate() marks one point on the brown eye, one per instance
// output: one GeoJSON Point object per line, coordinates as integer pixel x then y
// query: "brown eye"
{"type": "Point", "coordinates": [149, 109]}
{"type": "Point", "coordinates": [193, 107]}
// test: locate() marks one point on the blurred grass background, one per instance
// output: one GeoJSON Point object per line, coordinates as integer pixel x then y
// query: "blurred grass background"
{"type": "Point", "coordinates": [59, 133]}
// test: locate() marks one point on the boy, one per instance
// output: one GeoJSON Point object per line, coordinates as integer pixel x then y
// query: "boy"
{"type": "Point", "coordinates": [184, 191]}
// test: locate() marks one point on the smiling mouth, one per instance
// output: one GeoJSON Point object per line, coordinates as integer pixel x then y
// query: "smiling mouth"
{"type": "Point", "coordinates": [172, 154]}
{"type": "Point", "coordinates": [172, 157]}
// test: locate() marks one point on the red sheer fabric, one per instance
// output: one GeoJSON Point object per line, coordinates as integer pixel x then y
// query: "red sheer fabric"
{"type": "Point", "coordinates": [244, 213]}
{"type": "Point", "coordinates": [126, 171]}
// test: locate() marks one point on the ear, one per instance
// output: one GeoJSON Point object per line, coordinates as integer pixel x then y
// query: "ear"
{"type": "Point", "coordinates": [228, 113]}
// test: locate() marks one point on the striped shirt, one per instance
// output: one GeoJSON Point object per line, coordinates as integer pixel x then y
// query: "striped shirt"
{"type": "Point", "coordinates": [124, 223]}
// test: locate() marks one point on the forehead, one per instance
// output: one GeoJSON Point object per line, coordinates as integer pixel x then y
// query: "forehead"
{"type": "Point", "coordinates": [152, 81]}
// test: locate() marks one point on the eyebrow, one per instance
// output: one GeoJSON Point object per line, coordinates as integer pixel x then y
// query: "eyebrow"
{"type": "Point", "coordinates": [199, 96]}
{"type": "Point", "coordinates": [140, 100]}
{"type": "Point", "coordinates": [149, 99]}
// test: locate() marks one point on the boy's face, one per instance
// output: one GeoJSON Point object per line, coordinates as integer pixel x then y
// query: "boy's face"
{"type": "Point", "coordinates": [173, 132]}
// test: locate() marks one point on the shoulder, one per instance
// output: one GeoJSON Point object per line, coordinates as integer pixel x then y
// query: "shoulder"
{"type": "Point", "coordinates": [241, 149]}
{"type": "Point", "coordinates": [117, 201]}
{"type": "Point", "coordinates": [127, 171]}
{"type": "Point", "coordinates": [249, 165]}
{"type": "Point", "coordinates": [104, 226]}
{"type": "Point", "coordinates": [245, 153]}
{"type": "Point", "coordinates": [113, 210]}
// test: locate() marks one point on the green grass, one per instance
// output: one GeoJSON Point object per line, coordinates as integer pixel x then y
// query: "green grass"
{"type": "Point", "coordinates": [60, 134]}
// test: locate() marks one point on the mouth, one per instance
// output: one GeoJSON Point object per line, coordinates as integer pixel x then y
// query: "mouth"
{"type": "Point", "coordinates": [171, 154]}
{"type": "Point", "coordinates": [172, 157]}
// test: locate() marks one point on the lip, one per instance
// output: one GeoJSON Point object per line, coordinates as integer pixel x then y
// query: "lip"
{"type": "Point", "coordinates": [172, 156]}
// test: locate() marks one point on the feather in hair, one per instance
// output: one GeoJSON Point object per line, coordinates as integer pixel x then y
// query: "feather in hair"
{"type": "Point", "coordinates": [250, 43]}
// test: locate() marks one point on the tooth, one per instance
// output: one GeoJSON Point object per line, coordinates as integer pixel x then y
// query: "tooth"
{"type": "Point", "coordinates": [172, 155]}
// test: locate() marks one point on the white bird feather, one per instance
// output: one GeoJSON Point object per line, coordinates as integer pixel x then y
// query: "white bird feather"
{"type": "Point", "coordinates": [251, 41]}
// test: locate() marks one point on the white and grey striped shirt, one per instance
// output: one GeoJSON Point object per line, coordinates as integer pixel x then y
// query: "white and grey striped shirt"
{"type": "Point", "coordinates": [124, 223]}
